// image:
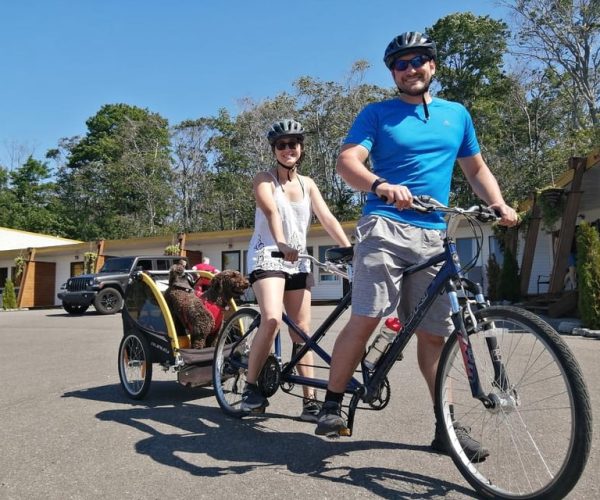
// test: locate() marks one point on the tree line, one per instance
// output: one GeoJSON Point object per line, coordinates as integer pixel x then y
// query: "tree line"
{"type": "Point", "coordinates": [531, 87]}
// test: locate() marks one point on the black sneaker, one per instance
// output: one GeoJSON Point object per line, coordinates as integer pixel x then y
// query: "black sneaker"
{"type": "Point", "coordinates": [310, 410]}
{"type": "Point", "coordinates": [472, 448]}
{"type": "Point", "coordinates": [330, 421]}
{"type": "Point", "coordinates": [253, 401]}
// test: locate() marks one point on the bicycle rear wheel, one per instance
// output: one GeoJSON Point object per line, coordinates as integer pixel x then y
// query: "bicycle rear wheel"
{"type": "Point", "coordinates": [231, 359]}
{"type": "Point", "coordinates": [539, 431]}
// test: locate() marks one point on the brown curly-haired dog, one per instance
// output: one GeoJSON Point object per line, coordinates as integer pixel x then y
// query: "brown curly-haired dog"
{"type": "Point", "coordinates": [189, 312]}
{"type": "Point", "coordinates": [224, 286]}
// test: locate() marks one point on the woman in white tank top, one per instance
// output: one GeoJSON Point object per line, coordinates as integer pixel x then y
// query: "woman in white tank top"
{"type": "Point", "coordinates": [285, 202]}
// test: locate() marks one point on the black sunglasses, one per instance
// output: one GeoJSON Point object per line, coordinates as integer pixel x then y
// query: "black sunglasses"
{"type": "Point", "coordinates": [416, 62]}
{"type": "Point", "coordinates": [281, 145]}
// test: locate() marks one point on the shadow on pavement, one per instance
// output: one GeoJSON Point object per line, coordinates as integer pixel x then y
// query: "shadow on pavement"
{"type": "Point", "coordinates": [242, 446]}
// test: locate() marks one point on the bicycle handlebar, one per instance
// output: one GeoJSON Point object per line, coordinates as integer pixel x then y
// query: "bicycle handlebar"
{"type": "Point", "coordinates": [339, 268]}
{"type": "Point", "coordinates": [427, 204]}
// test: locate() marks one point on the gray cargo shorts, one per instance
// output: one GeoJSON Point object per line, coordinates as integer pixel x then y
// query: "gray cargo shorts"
{"type": "Point", "coordinates": [384, 248]}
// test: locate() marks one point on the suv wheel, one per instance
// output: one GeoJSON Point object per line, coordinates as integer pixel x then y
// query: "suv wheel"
{"type": "Point", "coordinates": [108, 301]}
{"type": "Point", "coordinates": [74, 308]}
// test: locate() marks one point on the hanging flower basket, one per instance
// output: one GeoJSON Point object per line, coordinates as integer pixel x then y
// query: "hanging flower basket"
{"type": "Point", "coordinates": [552, 196]}
{"type": "Point", "coordinates": [552, 206]}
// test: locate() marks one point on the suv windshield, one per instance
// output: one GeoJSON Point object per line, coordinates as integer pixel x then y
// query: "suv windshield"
{"type": "Point", "coordinates": [118, 265]}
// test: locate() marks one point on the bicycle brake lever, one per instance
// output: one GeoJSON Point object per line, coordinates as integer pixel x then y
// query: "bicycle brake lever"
{"type": "Point", "coordinates": [487, 214]}
{"type": "Point", "coordinates": [423, 204]}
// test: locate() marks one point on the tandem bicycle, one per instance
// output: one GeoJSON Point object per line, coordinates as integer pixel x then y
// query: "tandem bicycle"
{"type": "Point", "coordinates": [504, 372]}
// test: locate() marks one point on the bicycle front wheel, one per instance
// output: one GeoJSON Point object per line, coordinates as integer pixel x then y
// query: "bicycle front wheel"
{"type": "Point", "coordinates": [538, 431]}
{"type": "Point", "coordinates": [231, 359]}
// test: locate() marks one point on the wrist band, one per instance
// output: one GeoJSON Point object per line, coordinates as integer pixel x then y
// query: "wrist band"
{"type": "Point", "coordinates": [379, 180]}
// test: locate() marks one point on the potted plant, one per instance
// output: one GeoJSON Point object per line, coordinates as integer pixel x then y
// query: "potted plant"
{"type": "Point", "coordinates": [172, 250]}
{"type": "Point", "coordinates": [19, 266]}
{"type": "Point", "coordinates": [552, 205]}
{"type": "Point", "coordinates": [89, 259]}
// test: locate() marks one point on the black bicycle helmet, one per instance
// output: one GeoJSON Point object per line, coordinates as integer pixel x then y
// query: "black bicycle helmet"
{"type": "Point", "coordinates": [285, 128]}
{"type": "Point", "coordinates": [411, 41]}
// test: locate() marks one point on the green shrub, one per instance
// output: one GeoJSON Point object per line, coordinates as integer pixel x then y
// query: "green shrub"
{"type": "Point", "coordinates": [9, 299]}
{"type": "Point", "coordinates": [493, 276]}
{"type": "Point", "coordinates": [509, 286]}
{"type": "Point", "coordinates": [588, 275]}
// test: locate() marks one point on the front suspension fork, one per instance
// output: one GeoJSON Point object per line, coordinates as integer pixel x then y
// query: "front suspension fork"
{"type": "Point", "coordinates": [458, 318]}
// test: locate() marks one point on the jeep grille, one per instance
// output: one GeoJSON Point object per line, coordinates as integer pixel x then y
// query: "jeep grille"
{"type": "Point", "coordinates": [77, 284]}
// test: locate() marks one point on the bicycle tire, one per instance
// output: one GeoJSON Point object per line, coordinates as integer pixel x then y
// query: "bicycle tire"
{"type": "Point", "coordinates": [230, 365]}
{"type": "Point", "coordinates": [539, 440]}
{"type": "Point", "coordinates": [135, 365]}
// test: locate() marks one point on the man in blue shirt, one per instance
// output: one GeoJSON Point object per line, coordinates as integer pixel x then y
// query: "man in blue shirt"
{"type": "Point", "coordinates": [413, 142]}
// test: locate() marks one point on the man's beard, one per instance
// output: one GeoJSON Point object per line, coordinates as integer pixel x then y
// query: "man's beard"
{"type": "Point", "coordinates": [415, 93]}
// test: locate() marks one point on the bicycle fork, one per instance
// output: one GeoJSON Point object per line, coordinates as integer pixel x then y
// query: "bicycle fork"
{"type": "Point", "coordinates": [458, 318]}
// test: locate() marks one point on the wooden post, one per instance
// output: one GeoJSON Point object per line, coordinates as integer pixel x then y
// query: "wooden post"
{"type": "Point", "coordinates": [529, 249]}
{"type": "Point", "coordinates": [181, 240]}
{"type": "Point", "coordinates": [100, 255]}
{"type": "Point", "coordinates": [567, 226]}
{"type": "Point", "coordinates": [25, 277]}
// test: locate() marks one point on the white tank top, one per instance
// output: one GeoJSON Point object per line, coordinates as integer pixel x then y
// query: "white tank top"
{"type": "Point", "coordinates": [295, 218]}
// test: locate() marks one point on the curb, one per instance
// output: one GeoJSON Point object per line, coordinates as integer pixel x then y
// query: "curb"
{"type": "Point", "coordinates": [586, 332]}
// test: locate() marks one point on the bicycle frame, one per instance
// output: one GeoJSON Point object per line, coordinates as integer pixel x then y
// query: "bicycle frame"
{"type": "Point", "coordinates": [372, 380]}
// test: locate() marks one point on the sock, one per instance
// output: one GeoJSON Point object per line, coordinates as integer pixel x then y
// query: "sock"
{"type": "Point", "coordinates": [252, 387]}
{"type": "Point", "coordinates": [336, 397]}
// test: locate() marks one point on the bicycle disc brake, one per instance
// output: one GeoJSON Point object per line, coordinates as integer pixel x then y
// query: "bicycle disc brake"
{"type": "Point", "coordinates": [381, 400]}
{"type": "Point", "coordinates": [268, 380]}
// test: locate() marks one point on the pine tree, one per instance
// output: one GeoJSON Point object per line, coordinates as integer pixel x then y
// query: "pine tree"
{"type": "Point", "coordinates": [508, 288]}
{"type": "Point", "coordinates": [9, 299]}
{"type": "Point", "coordinates": [588, 275]}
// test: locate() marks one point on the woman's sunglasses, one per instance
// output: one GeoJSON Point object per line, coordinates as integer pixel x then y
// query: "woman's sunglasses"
{"type": "Point", "coordinates": [280, 146]}
{"type": "Point", "coordinates": [416, 62]}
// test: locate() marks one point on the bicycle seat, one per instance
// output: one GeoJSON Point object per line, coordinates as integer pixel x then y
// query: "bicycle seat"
{"type": "Point", "coordinates": [341, 255]}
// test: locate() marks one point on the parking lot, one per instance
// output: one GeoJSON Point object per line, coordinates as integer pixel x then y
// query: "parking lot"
{"type": "Point", "coordinates": [68, 431]}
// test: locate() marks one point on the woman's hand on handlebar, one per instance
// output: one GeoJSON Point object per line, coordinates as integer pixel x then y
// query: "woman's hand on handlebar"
{"type": "Point", "coordinates": [289, 253]}
{"type": "Point", "coordinates": [508, 216]}
{"type": "Point", "coordinates": [395, 194]}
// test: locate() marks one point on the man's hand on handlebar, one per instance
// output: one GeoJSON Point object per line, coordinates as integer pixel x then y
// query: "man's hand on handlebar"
{"type": "Point", "coordinates": [395, 194]}
{"type": "Point", "coordinates": [508, 216]}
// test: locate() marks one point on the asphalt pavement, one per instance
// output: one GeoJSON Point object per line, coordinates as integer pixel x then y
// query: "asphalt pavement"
{"type": "Point", "coordinates": [68, 431]}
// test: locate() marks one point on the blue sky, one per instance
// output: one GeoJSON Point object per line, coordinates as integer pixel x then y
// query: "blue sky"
{"type": "Point", "coordinates": [61, 60]}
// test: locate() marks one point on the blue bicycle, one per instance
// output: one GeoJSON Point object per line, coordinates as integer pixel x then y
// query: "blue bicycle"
{"type": "Point", "coordinates": [504, 373]}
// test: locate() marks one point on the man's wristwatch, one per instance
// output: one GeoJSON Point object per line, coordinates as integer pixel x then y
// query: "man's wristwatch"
{"type": "Point", "coordinates": [379, 180]}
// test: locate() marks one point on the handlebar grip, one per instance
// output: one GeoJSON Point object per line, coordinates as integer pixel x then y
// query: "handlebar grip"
{"type": "Point", "coordinates": [278, 255]}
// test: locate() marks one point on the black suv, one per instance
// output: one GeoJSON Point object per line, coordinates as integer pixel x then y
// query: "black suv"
{"type": "Point", "coordinates": [106, 289]}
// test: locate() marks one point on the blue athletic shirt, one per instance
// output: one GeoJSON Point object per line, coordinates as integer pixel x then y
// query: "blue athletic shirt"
{"type": "Point", "coordinates": [407, 149]}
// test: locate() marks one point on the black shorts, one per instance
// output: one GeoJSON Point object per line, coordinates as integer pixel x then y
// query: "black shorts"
{"type": "Point", "coordinates": [298, 281]}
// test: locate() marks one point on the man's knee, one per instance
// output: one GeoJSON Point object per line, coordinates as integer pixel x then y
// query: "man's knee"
{"type": "Point", "coordinates": [429, 341]}
{"type": "Point", "coordinates": [359, 328]}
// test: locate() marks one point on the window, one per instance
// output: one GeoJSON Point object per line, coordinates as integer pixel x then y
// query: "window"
{"type": "Point", "coordinates": [163, 264]}
{"type": "Point", "coordinates": [77, 268]}
{"type": "Point", "coordinates": [466, 248]}
{"type": "Point", "coordinates": [323, 275]}
{"type": "Point", "coordinates": [3, 276]}
{"type": "Point", "coordinates": [245, 262]}
{"type": "Point", "coordinates": [231, 260]}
